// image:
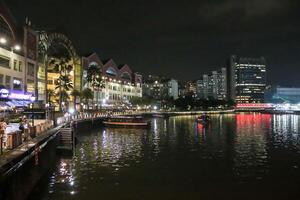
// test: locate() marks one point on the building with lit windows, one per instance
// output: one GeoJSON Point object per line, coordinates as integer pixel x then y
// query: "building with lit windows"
{"type": "Point", "coordinates": [213, 85]}
{"type": "Point", "coordinates": [160, 88]}
{"type": "Point", "coordinates": [247, 79]}
{"type": "Point", "coordinates": [120, 82]}
{"type": "Point", "coordinates": [52, 47]}
{"type": "Point", "coordinates": [191, 87]}
{"type": "Point", "coordinates": [18, 59]}
{"type": "Point", "coordinates": [278, 94]}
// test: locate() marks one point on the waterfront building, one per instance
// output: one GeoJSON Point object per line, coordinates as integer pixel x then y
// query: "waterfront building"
{"type": "Point", "coordinates": [278, 94]}
{"type": "Point", "coordinates": [54, 47]}
{"type": "Point", "coordinates": [159, 88]}
{"type": "Point", "coordinates": [18, 58]}
{"type": "Point", "coordinates": [120, 82]}
{"type": "Point", "coordinates": [246, 79]}
{"type": "Point", "coordinates": [213, 85]}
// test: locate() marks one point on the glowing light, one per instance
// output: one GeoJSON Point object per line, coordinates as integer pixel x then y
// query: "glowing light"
{"type": "Point", "coordinates": [254, 105]}
{"type": "Point", "coordinates": [17, 47]}
{"type": "Point", "coordinates": [32, 98]}
{"type": "Point", "coordinates": [71, 110]}
{"type": "Point", "coordinates": [3, 41]}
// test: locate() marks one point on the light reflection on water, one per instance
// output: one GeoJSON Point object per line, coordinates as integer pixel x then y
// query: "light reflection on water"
{"type": "Point", "coordinates": [181, 156]}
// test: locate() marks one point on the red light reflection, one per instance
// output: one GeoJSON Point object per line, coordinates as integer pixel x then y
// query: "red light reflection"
{"type": "Point", "coordinates": [246, 120]}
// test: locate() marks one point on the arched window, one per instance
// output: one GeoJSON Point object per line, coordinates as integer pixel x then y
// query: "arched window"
{"type": "Point", "coordinates": [93, 64]}
{"type": "Point", "coordinates": [5, 29]}
{"type": "Point", "coordinates": [111, 72]}
{"type": "Point", "coordinates": [126, 75]}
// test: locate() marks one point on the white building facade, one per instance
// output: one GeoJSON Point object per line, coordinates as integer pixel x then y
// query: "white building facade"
{"type": "Point", "coordinates": [120, 82]}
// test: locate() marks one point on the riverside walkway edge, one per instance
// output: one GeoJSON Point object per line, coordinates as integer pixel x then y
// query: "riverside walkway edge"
{"type": "Point", "coordinates": [14, 159]}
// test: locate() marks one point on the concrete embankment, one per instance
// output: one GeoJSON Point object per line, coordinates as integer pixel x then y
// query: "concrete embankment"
{"type": "Point", "coordinates": [22, 169]}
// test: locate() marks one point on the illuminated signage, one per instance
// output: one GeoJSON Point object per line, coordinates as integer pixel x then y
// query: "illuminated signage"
{"type": "Point", "coordinates": [4, 93]}
{"type": "Point", "coordinates": [11, 94]}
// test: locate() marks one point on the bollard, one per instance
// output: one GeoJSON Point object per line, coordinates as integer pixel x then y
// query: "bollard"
{"type": "Point", "coordinates": [26, 134]}
{"type": "Point", "coordinates": [32, 131]}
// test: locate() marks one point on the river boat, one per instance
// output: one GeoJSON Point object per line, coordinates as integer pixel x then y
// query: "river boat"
{"type": "Point", "coordinates": [126, 122]}
{"type": "Point", "coordinates": [204, 120]}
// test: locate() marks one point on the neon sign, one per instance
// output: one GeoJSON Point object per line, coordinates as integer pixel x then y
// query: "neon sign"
{"type": "Point", "coordinates": [4, 93]}
{"type": "Point", "coordinates": [11, 94]}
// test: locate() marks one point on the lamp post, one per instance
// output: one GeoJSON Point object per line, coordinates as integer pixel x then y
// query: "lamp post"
{"type": "Point", "coordinates": [47, 111]}
{"type": "Point", "coordinates": [32, 99]}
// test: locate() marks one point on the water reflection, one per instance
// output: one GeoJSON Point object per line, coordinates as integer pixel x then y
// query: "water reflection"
{"type": "Point", "coordinates": [178, 154]}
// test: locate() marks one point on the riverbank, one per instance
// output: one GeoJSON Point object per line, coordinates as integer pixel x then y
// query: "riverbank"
{"type": "Point", "coordinates": [14, 159]}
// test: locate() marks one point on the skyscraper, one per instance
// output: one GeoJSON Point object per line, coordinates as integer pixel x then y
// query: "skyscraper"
{"type": "Point", "coordinates": [213, 85]}
{"type": "Point", "coordinates": [247, 79]}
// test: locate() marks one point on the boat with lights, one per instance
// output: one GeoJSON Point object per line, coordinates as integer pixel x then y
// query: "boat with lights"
{"type": "Point", "coordinates": [126, 122]}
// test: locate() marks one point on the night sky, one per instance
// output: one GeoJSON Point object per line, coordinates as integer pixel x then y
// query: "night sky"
{"type": "Point", "coordinates": [183, 39]}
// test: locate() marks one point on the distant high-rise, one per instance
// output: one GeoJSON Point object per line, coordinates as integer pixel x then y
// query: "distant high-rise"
{"type": "Point", "coordinates": [160, 88]}
{"type": "Point", "coordinates": [213, 85]}
{"type": "Point", "coordinates": [247, 79]}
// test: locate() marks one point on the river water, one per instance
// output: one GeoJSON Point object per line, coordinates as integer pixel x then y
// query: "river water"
{"type": "Point", "coordinates": [249, 156]}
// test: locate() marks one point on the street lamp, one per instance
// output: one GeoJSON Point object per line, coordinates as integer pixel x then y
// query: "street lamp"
{"type": "Point", "coordinates": [47, 110]}
{"type": "Point", "coordinates": [3, 40]}
{"type": "Point", "coordinates": [17, 47]}
{"type": "Point", "coordinates": [63, 106]}
{"type": "Point", "coordinates": [32, 99]}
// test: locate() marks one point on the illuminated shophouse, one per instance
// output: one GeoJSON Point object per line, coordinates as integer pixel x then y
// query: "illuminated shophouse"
{"type": "Point", "coordinates": [120, 82]}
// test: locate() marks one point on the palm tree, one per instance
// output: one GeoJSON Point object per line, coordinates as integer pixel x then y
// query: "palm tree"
{"type": "Point", "coordinates": [87, 94]}
{"type": "Point", "coordinates": [95, 79]}
{"type": "Point", "coordinates": [63, 85]}
{"type": "Point", "coordinates": [75, 93]}
{"type": "Point", "coordinates": [50, 93]}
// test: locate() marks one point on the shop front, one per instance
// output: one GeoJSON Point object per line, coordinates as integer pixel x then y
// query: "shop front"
{"type": "Point", "coordinates": [11, 99]}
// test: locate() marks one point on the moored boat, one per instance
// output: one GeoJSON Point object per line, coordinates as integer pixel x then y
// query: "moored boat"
{"type": "Point", "coordinates": [134, 122]}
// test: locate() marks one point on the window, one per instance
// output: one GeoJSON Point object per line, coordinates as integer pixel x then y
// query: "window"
{"type": "Point", "coordinates": [17, 84]}
{"type": "Point", "coordinates": [1, 79]}
{"type": "Point", "coordinates": [20, 66]}
{"type": "Point", "coordinates": [30, 71]}
{"type": "Point", "coordinates": [111, 71]}
{"type": "Point", "coordinates": [4, 62]}
{"type": "Point", "coordinates": [4, 28]}
{"type": "Point", "coordinates": [15, 65]}
{"type": "Point", "coordinates": [126, 76]}
{"type": "Point", "coordinates": [30, 85]}
{"type": "Point", "coordinates": [7, 82]}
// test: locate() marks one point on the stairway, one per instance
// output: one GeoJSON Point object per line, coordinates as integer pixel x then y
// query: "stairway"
{"type": "Point", "coordinates": [66, 139]}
